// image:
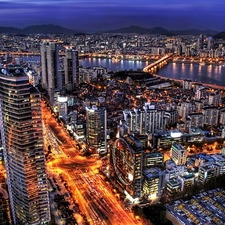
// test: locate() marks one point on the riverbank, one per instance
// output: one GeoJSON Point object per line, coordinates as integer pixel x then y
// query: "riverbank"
{"type": "Point", "coordinates": [198, 62]}
{"type": "Point", "coordinates": [214, 86]}
{"type": "Point", "coordinates": [174, 59]}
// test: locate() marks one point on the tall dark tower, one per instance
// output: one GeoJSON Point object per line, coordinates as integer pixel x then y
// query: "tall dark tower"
{"type": "Point", "coordinates": [51, 79]}
{"type": "Point", "coordinates": [22, 138]}
{"type": "Point", "coordinates": [71, 68]}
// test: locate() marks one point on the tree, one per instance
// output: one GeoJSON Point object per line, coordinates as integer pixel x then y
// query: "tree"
{"type": "Point", "coordinates": [156, 214]}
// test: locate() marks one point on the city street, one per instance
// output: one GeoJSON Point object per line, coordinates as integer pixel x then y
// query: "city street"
{"type": "Point", "coordinates": [97, 203]}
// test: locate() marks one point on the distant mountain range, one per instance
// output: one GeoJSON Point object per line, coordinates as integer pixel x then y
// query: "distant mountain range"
{"type": "Point", "coordinates": [55, 29]}
{"type": "Point", "coordinates": [162, 31]}
{"type": "Point", "coordinates": [38, 29]}
{"type": "Point", "coordinates": [140, 30]}
{"type": "Point", "coordinates": [220, 35]}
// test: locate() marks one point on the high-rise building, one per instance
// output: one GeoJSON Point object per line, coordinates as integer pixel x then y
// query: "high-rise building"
{"type": "Point", "coordinates": [127, 158]}
{"type": "Point", "coordinates": [187, 84]}
{"type": "Point", "coordinates": [71, 68]}
{"type": "Point", "coordinates": [134, 119]}
{"type": "Point", "coordinates": [210, 43]}
{"type": "Point", "coordinates": [200, 42]}
{"type": "Point", "coordinates": [194, 120]}
{"type": "Point", "coordinates": [153, 119]}
{"type": "Point", "coordinates": [184, 109]}
{"type": "Point", "coordinates": [146, 120]}
{"type": "Point", "coordinates": [22, 138]}
{"type": "Point", "coordinates": [51, 79]}
{"type": "Point", "coordinates": [214, 98]}
{"type": "Point", "coordinates": [211, 115]}
{"type": "Point", "coordinates": [178, 154]}
{"type": "Point", "coordinates": [96, 127]}
{"type": "Point", "coordinates": [5, 213]}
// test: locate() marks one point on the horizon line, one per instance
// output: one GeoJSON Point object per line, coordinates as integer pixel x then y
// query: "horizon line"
{"type": "Point", "coordinates": [180, 29]}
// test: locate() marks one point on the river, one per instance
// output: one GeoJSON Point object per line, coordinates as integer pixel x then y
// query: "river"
{"type": "Point", "coordinates": [113, 65]}
{"type": "Point", "coordinates": [210, 74]}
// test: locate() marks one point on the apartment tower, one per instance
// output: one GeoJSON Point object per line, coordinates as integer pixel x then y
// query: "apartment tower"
{"type": "Point", "coordinates": [51, 76]}
{"type": "Point", "coordinates": [71, 68]}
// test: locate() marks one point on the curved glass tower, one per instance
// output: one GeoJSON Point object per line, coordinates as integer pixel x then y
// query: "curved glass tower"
{"type": "Point", "coordinates": [21, 116]}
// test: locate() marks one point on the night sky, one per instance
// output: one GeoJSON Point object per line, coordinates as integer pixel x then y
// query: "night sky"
{"type": "Point", "coordinates": [97, 15]}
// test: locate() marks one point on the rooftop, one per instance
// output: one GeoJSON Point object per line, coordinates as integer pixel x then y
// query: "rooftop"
{"type": "Point", "coordinates": [12, 70]}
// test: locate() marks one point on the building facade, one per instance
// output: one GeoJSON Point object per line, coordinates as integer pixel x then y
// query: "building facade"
{"type": "Point", "coordinates": [211, 115]}
{"type": "Point", "coordinates": [22, 138]}
{"type": "Point", "coordinates": [194, 120]}
{"type": "Point", "coordinates": [153, 182]}
{"type": "Point", "coordinates": [127, 157]}
{"type": "Point", "coordinates": [51, 76]}
{"type": "Point", "coordinates": [178, 154]}
{"type": "Point", "coordinates": [71, 69]}
{"type": "Point", "coordinates": [146, 120]}
{"type": "Point", "coordinates": [96, 128]}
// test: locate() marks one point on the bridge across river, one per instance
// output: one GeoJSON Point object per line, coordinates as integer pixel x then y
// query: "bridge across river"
{"type": "Point", "coordinates": [158, 64]}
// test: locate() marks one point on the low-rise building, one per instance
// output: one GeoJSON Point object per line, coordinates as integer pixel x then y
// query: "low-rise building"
{"type": "Point", "coordinates": [153, 159]}
{"type": "Point", "coordinates": [173, 185]}
{"type": "Point", "coordinates": [178, 154]}
{"type": "Point", "coordinates": [153, 182]}
{"type": "Point", "coordinates": [187, 181]}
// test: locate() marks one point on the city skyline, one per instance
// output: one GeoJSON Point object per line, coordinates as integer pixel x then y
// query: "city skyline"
{"type": "Point", "coordinates": [91, 145]}
{"type": "Point", "coordinates": [100, 15]}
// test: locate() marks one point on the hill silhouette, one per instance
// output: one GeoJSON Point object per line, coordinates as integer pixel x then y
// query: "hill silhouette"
{"type": "Point", "coordinates": [55, 29]}
{"type": "Point", "coordinates": [38, 29]}
{"type": "Point", "coordinates": [162, 31]}
{"type": "Point", "coordinates": [220, 35]}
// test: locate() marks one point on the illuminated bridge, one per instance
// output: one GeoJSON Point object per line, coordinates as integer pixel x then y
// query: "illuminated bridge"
{"type": "Point", "coordinates": [158, 64]}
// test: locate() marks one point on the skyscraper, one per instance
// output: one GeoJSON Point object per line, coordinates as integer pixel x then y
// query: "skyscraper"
{"type": "Point", "coordinates": [22, 138]}
{"type": "Point", "coordinates": [71, 67]}
{"type": "Point", "coordinates": [96, 128]}
{"type": "Point", "coordinates": [210, 43]}
{"type": "Point", "coordinates": [51, 79]}
{"type": "Point", "coordinates": [127, 159]}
